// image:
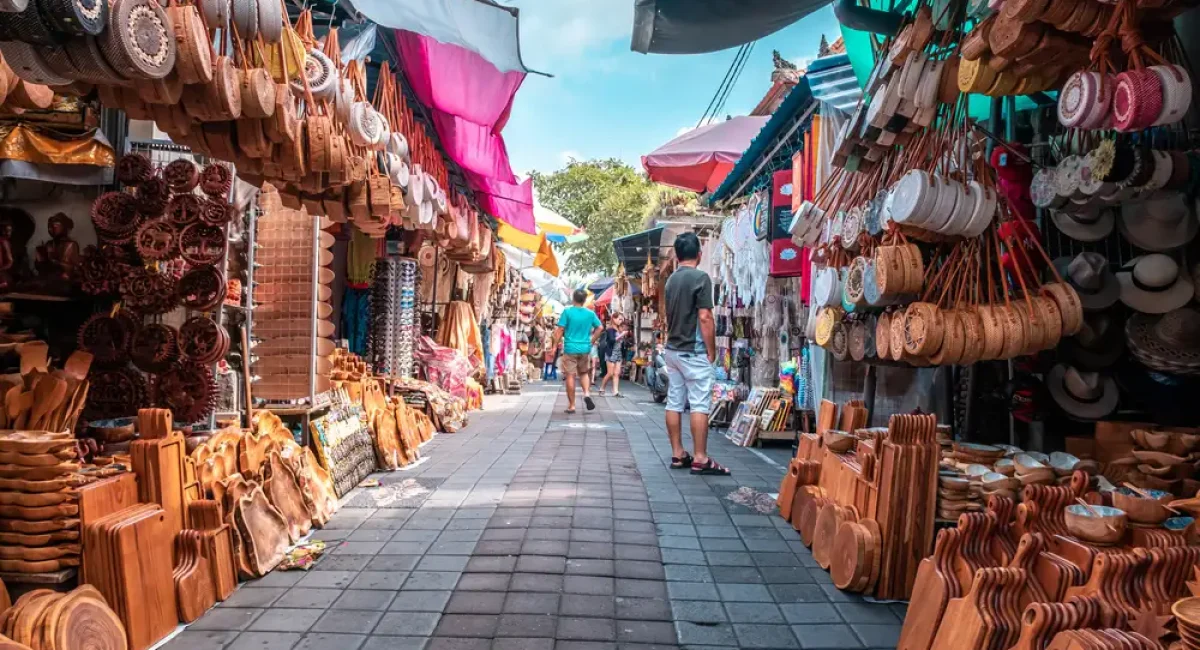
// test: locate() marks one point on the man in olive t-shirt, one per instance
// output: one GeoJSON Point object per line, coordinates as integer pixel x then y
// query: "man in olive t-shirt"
{"type": "Point", "coordinates": [689, 355]}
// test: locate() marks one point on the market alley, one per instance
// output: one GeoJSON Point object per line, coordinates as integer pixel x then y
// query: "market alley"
{"type": "Point", "coordinates": [533, 530]}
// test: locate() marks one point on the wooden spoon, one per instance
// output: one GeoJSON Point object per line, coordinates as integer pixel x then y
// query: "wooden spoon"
{"type": "Point", "coordinates": [78, 364]}
{"type": "Point", "coordinates": [47, 396]}
{"type": "Point", "coordinates": [34, 356]}
{"type": "Point", "coordinates": [24, 404]}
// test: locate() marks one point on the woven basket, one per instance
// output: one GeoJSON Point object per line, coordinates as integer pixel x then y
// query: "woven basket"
{"type": "Point", "coordinates": [973, 336]}
{"type": "Point", "coordinates": [857, 340]}
{"type": "Point", "coordinates": [1051, 318]}
{"type": "Point", "coordinates": [193, 62]}
{"type": "Point", "coordinates": [953, 341]}
{"type": "Point", "coordinates": [826, 318]}
{"type": "Point", "coordinates": [1069, 306]}
{"type": "Point", "coordinates": [883, 336]}
{"type": "Point", "coordinates": [1014, 330]}
{"type": "Point", "coordinates": [251, 140]}
{"type": "Point", "coordinates": [839, 344]}
{"type": "Point", "coordinates": [924, 328]}
{"type": "Point", "coordinates": [914, 268]}
{"type": "Point", "coordinates": [258, 93]}
{"type": "Point", "coordinates": [318, 133]}
{"type": "Point", "coordinates": [896, 336]}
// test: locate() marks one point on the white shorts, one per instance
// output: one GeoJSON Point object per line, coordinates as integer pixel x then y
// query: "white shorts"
{"type": "Point", "coordinates": [691, 381]}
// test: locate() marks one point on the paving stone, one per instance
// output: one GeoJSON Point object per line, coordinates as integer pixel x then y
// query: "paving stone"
{"type": "Point", "coordinates": [308, 598]}
{"type": "Point", "coordinates": [468, 625]}
{"type": "Point", "coordinates": [532, 603]}
{"type": "Point", "coordinates": [676, 541]}
{"type": "Point", "coordinates": [382, 580]}
{"type": "Point", "coordinates": [536, 582]}
{"type": "Point", "coordinates": [640, 539]}
{"type": "Point", "coordinates": [484, 582]}
{"type": "Point", "coordinates": [254, 597]}
{"type": "Point", "coordinates": [227, 618]}
{"type": "Point", "coordinates": [431, 580]}
{"type": "Point", "coordinates": [719, 532]}
{"type": "Point", "coordinates": [798, 594]}
{"type": "Point", "coordinates": [452, 548]}
{"type": "Point", "coordinates": [826, 637]}
{"type": "Point", "coordinates": [476, 602]}
{"type": "Point", "coordinates": [584, 645]}
{"type": "Point", "coordinates": [687, 573]}
{"type": "Point", "coordinates": [420, 601]}
{"type": "Point", "coordinates": [592, 535]}
{"type": "Point", "coordinates": [192, 639]}
{"type": "Point", "coordinates": [346, 622]}
{"type": "Point", "coordinates": [744, 593]}
{"type": "Point", "coordinates": [443, 563]}
{"type": "Point", "coordinates": [527, 625]}
{"type": "Point", "coordinates": [394, 643]}
{"type": "Point", "coordinates": [590, 567]}
{"type": "Point", "coordinates": [265, 641]}
{"type": "Point", "coordinates": [364, 599]}
{"type": "Point", "coordinates": [545, 547]}
{"type": "Point", "coordinates": [491, 564]}
{"type": "Point", "coordinates": [277, 579]}
{"type": "Point", "coordinates": [370, 535]}
{"type": "Point", "coordinates": [646, 609]}
{"type": "Point", "coordinates": [807, 613]}
{"type": "Point", "coordinates": [592, 585]}
{"type": "Point", "coordinates": [754, 613]}
{"type": "Point", "coordinates": [877, 636]}
{"type": "Point", "coordinates": [683, 556]}
{"type": "Point", "coordinates": [880, 614]}
{"type": "Point", "coordinates": [511, 547]}
{"type": "Point", "coordinates": [764, 636]}
{"type": "Point", "coordinates": [582, 605]}
{"type": "Point", "coordinates": [541, 564]}
{"type": "Point", "coordinates": [692, 591]}
{"type": "Point", "coordinates": [407, 624]}
{"type": "Point", "coordinates": [698, 611]}
{"type": "Point", "coordinates": [549, 535]}
{"type": "Point", "coordinates": [586, 629]}
{"type": "Point", "coordinates": [339, 563]}
{"type": "Point", "coordinates": [631, 588]}
{"type": "Point", "coordinates": [280, 619]}
{"type": "Point", "coordinates": [640, 569]}
{"type": "Point", "coordinates": [392, 563]}
{"type": "Point", "coordinates": [502, 535]}
{"type": "Point", "coordinates": [405, 548]}
{"type": "Point", "coordinates": [523, 643]}
{"type": "Point", "coordinates": [692, 634]}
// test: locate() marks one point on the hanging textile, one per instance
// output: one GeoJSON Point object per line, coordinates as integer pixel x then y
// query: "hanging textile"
{"type": "Point", "coordinates": [460, 331]}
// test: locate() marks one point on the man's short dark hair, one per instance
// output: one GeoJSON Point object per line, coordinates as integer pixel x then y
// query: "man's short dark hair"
{"type": "Point", "coordinates": [580, 296]}
{"type": "Point", "coordinates": [687, 247]}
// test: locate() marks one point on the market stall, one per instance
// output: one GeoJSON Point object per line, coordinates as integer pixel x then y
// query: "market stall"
{"type": "Point", "coordinates": [942, 256]}
{"type": "Point", "coordinates": [245, 323]}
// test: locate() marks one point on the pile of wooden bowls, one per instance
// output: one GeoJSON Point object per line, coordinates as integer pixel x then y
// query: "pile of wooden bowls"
{"type": "Point", "coordinates": [1100, 525]}
{"type": "Point", "coordinates": [1187, 614]}
{"type": "Point", "coordinates": [957, 494]}
{"type": "Point", "coordinates": [1032, 470]}
{"type": "Point", "coordinates": [1147, 507]}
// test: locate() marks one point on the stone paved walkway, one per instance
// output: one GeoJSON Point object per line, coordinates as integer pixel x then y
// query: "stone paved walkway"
{"type": "Point", "coordinates": [535, 530]}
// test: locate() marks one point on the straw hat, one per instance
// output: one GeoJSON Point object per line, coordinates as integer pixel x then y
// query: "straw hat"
{"type": "Point", "coordinates": [1086, 395]}
{"type": "Point", "coordinates": [1159, 224]}
{"type": "Point", "coordinates": [1088, 226]}
{"type": "Point", "coordinates": [1088, 273]}
{"type": "Point", "coordinates": [1168, 343]}
{"type": "Point", "coordinates": [1098, 344]}
{"type": "Point", "coordinates": [1152, 284]}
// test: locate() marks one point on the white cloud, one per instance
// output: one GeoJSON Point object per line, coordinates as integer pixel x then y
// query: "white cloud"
{"type": "Point", "coordinates": [558, 33]}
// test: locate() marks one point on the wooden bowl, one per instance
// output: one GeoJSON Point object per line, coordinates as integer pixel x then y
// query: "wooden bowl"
{"type": "Point", "coordinates": [1005, 466]}
{"type": "Point", "coordinates": [1160, 472]}
{"type": "Point", "coordinates": [1152, 440]}
{"type": "Point", "coordinates": [1107, 528]}
{"type": "Point", "coordinates": [1158, 458]}
{"type": "Point", "coordinates": [998, 481]}
{"type": "Point", "coordinates": [954, 483]}
{"type": "Point", "coordinates": [839, 441]}
{"type": "Point", "coordinates": [1026, 463]}
{"type": "Point", "coordinates": [1063, 463]}
{"type": "Point", "coordinates": [1155, 483]}
{"type": "Point", "coordinates": [118, 430]}
{"type": "Point", "coordinates": [1187, 612]}
{"type": "Point", "coordinates": [1038, 476]}
{"type": "Point", "coordinates": [1008, 494]}
{"type": "Point", "coordinates": [975, 471]}
{"type": "Point", "coordinates": [1183, 443]}
{"type": "Point", "coordinates": [1142, 510]}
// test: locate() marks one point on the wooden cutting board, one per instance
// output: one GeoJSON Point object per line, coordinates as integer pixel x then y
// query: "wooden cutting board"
{"type": "Point", "coordinates": [263, 530]}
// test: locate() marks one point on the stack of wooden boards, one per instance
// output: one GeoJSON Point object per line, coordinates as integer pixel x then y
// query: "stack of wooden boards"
{"type": "Point", "coordinates": [957, 591]}
{"type": "Point", "coordinates": [264, 488]}
{"type": "Point", "coordinates": [49, 620]}
{"type": "Point", "coordinates": [867, 513]}
{"type": "Point", "coordinates": [39, 506]}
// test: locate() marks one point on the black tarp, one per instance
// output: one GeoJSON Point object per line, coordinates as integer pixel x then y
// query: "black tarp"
{"type": "Point", "coordinates": [633, 250]}
{"type": "Point", "coordinates": [698, 26]}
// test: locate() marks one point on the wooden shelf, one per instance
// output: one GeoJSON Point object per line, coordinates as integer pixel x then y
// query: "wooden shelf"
{"type": "Point", "coordinates": [40, 297]}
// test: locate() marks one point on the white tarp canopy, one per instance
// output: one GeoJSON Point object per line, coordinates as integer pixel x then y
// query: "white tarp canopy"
{"type": "Point", "coordinates": [486, 28]}
{"type": "Point", "coordinates": [549, 286]}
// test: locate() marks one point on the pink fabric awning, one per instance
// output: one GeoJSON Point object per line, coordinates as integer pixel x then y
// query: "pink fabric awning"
{"type": "Point", "coordinates": [701, 158]}
{"type": "Point", "coordinates": [511, 203]}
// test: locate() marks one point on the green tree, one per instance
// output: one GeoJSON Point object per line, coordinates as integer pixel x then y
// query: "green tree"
{"type": "Point", "coordinates": [607, 198]}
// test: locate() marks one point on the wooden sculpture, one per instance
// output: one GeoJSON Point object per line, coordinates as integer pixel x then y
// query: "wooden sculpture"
{"type": "Point", "coordinates": [284, 493]}
{"type": "Point", "coordinates": [263, 530]}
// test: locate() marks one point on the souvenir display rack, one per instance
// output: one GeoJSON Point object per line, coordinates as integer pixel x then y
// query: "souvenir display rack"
{"type": "Point", "coordinates": [394, 326]}
{"type": "Point", "coordinates": [345, 445]}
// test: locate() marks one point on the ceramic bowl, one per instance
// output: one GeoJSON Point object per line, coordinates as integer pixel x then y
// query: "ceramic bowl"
{"type": "Point", "coordinates": [975, 471]}
{"type": "Point", "coordinates": [1026, 463]}
{"type": "Point", "coordinates": [1140, 509]}
{"type": "Point", "coordinates": [1178, 523]}
{"type": "Point", "coordinates": [1005, 466]}
{"type": "Point", "coordinates": [1098, 524]}
{"type": "Point", "coordinates": [998, 481]}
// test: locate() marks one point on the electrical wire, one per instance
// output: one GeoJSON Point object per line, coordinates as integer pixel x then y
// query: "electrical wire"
{"type": "Point", "coordinates": [736, 76]}
{"type": "Point", "coordinates": [724, 82]}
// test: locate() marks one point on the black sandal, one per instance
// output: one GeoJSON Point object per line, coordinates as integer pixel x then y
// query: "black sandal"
{"type": "Point", "coordinates": [711, 468]}
{"type": "Point", "coordinates": [683, 462]}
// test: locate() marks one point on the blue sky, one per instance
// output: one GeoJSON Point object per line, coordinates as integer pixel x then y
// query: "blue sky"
{"type": "Point", "coordinates": [607, 101]}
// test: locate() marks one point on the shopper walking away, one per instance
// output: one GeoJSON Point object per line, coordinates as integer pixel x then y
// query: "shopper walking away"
{"type": "Point", "coordinates": [613, 338]}
{"type": "Point", "coordinates": [550, 361]}
{"type": "Point", "coordinates": [578, 329]}
{"type": "Point", "coordinates": [690, 352]}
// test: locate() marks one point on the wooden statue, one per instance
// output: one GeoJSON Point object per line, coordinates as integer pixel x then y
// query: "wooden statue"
{"type": "Point", "coordinates": [57, 259]}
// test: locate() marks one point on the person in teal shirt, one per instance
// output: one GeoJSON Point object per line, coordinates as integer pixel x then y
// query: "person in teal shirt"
{"type": "Point", "coordinates": [578, 328]}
